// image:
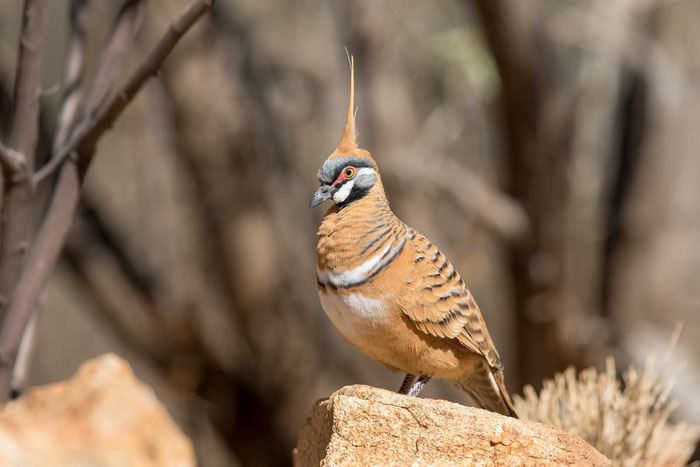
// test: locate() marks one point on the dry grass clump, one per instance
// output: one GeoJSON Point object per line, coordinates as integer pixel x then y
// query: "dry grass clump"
{"type": "Point", "coordinates": [625, 420]}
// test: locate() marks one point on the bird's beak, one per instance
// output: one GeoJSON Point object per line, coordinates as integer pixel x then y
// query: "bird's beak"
{"type": "Point", "coordinates": [323, 193]}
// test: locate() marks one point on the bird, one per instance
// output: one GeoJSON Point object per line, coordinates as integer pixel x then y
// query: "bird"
{"type": "Point", "coordinates": [390, 291]}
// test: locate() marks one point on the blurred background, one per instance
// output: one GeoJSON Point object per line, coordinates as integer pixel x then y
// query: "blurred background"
{"type": "Point", "coordinates": [549, 148]}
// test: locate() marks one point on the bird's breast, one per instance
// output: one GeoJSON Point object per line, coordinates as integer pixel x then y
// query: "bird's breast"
{"type": "Point", "coordinates": [359, 248]}
{"type": "Point", "coordinates": [353, 314]}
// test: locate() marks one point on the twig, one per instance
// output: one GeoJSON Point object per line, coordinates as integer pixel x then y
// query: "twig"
{"type": "Point", "coordinates": [24, 357]}
{"type": "Point", "coordinates": [118, 42]}
{"type": "Point", "coordinates": [89, 132]}
{"type": "Point", "coordinates": [72, 75]}
{"type": "Point", "coordinates": [148, 68]}
{"type": "Point", "coordinates": [13, 163]}
{"type": "Point", "coordinates": [59, 216]}
{"type": "Point", "coordinates": [24, 129]}
{"type": "Point", "coordinates": [25, 118]}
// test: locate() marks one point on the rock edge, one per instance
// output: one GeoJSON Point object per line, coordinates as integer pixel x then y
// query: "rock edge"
{"type": "Point", "coordinates": [369, 426]}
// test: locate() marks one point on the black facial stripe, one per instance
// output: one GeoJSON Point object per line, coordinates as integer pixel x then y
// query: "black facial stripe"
{"type": "Point", "coordinates": [337, 187]}
{"type": "Point", "coordinates": [354, 195]}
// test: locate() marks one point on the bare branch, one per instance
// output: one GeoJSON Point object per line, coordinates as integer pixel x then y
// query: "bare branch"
{"type": "Point", "coordinates": [24, 129]}
{"type": "Point", "coordinates": [67, 114]}
{"type": "Point", "coordinates": [72, 74]}
{"type": "Point", "coordinates": [118, 42]}
{"type": "Point", "coordinates": [13, 163]}
{"type": "Point", "coordinates": [148, 68]}
{"type": "Point", "coordinates": [24, 357]}
{"type": "Point", "coordinates": [60, 213]}
{"type": "Point", "coordinates": [91, 129]}
{"type": "Point", "coordinates": [60, 156]}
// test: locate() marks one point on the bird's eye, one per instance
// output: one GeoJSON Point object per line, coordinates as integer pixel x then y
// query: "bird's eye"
{"type": "Point", "coordinates": [349, 172]}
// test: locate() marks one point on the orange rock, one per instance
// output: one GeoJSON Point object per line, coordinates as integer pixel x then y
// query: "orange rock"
{"type": "Point", "coordinates": [361, 425]}
{"type": "Point", "coordinates": [103, 416]}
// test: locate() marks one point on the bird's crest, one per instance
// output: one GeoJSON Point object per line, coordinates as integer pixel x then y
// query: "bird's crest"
{"type": "Point", "coordinates": [348, 141]}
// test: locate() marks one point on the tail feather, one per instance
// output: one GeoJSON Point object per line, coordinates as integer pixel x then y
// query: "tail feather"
{"type": "Point", "coordinates": [487, 389]}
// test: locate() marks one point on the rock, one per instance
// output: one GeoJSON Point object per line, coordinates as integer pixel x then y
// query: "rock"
{"type": "Point", "coordinates": [103, 416]}
{"type": "Point", "coordinates": [361, 425]}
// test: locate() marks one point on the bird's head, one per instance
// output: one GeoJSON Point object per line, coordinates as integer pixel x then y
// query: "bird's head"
{"type": "Point", "coordinates": [350, 172]}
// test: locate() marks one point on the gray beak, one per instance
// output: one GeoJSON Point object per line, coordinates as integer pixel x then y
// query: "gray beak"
{"type": "Point", "coordinates": [323, 193]}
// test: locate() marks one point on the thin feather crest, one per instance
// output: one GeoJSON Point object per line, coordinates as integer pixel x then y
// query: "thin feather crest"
{"type": "Point", "coordinates": [348, 142]}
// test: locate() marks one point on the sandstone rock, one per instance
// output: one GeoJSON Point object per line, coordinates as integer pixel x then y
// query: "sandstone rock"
{"type": "Point", "coordinates": [361, 425]}
{"type": "Point", "coordinates": [103, 416]}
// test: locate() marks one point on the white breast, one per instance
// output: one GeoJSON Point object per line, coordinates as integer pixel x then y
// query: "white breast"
{"type": "Point", "coordinates": [353, 313]}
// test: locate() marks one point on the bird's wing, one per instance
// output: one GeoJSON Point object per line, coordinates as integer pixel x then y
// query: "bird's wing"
{"type": "Point", "coordinates": [439, 303]}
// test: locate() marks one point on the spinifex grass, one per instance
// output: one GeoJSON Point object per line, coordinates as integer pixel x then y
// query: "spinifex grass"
{"type": "Point", "coordinates": [627, 420]}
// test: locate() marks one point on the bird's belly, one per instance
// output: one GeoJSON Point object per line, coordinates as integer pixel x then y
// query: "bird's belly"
{"type": "Point", "coordinates": [378, 330]}
{"type": "Point", "coordinates": [358, 318]}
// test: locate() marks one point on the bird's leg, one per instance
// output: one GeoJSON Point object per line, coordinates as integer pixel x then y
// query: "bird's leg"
{"type": "Point", "coordinates": [418, 385]}
{"type": "Point", "coordinates": [407, 382]}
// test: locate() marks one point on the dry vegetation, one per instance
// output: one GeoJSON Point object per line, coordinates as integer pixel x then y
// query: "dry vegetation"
{"type": "Point", "coordinates": [628, 420]}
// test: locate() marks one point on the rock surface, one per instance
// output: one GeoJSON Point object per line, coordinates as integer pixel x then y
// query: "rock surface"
{"type": "Point", "coordinates": [103, 416]}
{"type": "Point", "coordinates": [361, 425]}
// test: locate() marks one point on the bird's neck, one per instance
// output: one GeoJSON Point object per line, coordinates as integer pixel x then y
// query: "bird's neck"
{"type": "Point", "coordinates": [352, 234]}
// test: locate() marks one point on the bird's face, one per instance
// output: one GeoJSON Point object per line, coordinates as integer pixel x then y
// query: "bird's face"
{"type": "Point", "coordinates": [344, 180]}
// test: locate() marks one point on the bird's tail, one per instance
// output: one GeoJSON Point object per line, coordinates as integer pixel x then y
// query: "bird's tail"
{"type": "Point", "coordinates": [487, 389]}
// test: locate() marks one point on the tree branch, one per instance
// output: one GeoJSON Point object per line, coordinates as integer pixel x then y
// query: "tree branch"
{"type": "Point", "coordinates": [72, 75]}
{"type": "Point", "coordinates": [118, 42]}
{"type": "Point", "coordinates": [24, 130]}
{"type": "Point", "coordinates": [59, 216]}
{"type": "Point", "coordinates": [13, 163]}
{"type": "Point", "coordinates": [25, 117]}
{"type": "Point", "coordinates": [96, 127]}
{"type": "Point", "coordinates": [70, 103]}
